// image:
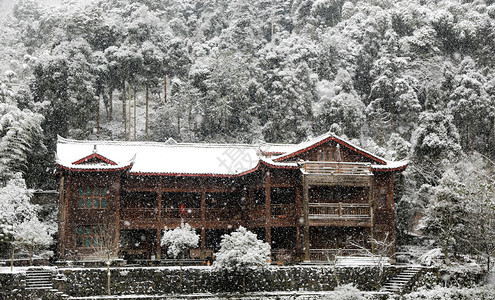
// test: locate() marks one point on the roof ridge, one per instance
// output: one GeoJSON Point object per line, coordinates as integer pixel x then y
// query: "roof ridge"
{"type": "Point", "coordinates": [152, 143]}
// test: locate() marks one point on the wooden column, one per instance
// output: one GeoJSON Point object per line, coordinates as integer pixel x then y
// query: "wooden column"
{"type": "Point", "coordinates": [392, 213]}
{"type": "Point", "coordinates": [158, 243]}
{"type": "Point", "coordinates": [299, 215]}
{"type": "Point", "coordinates": [203, 223]}
{"type": "Point", "coordinates": [159, 221]}
{"type": "Point", "coordinates": [61, 216]}
{"type": "Point", "coordinates": [268, 217]}
{"type": "Point", "coordinates": [306, 218]}
{"type": "Point", "coordinates": [203, 242]}
{"type": "Point", "coordinates": [116, 198]}
{"type": "Point", "coordinates": [372, 220]}
{"type": "Point", "coordinates": [67, 199]}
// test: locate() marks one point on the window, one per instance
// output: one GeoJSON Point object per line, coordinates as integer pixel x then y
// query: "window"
{"type": "Point", "coordinates": [92, 197]}
{"type": "Point", "coordinates": [259, 197]}
{"type": "Point", "coordinates": [283, 195]}
{"type": "Point", "coordinates": [382, 198]}
{"type": "Point", "coordinates": [91, 236]}
{"type": "Point", "coordinates": [329, 154]}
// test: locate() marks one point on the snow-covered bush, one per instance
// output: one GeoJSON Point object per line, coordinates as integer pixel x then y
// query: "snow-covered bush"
{"type": "Point", "coordinates": [32, 235]}
{"type": "Point", "coordinates": [15, 208]}
{"type": "Point", "coordinates": [240, 251]}
{"type": "Point", "coordinates": [454, 293]}
{"type": "Point", "coordinates": [346, 292]}
{"type": "Point", "coordinates": [432, 257]}
{"type": "Point", "coordinates": [180, 239]}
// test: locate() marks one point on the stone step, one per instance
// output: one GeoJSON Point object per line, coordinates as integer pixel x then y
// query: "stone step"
{"type": "Point", "coordinates": [392, 288]}
{"type": "Point", "coordinates": [394, 285]}
{"type": "Point", "coordinates": [399, 282]}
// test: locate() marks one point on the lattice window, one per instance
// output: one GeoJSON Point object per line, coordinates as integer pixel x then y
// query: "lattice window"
{"type": "Point", "coordinates": [91, 236]}
{"type": "Point", "coordinates": [90, 197]}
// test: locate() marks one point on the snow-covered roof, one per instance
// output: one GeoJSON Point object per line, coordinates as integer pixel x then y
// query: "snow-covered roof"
{"type": "Point", "coordinates": [379, 163]}
{"type": "Point", "coordinates": [187, 159]}
{"type": "Point", "coordinates": [150, 158]}
{"type": "Point", "coordinates": [324, 138]}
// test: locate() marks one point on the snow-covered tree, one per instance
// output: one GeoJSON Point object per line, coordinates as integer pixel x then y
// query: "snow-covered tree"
{"type": "Point", "coordinates": [240, 252]}
{"type": "Point", "coordinates": [461, 215]}
{"type": "Point", "coordinates": [339, 104]}
{"type": "Point", "coordinates": [15, 209]}
{"type": "Point", "coordinates": [32, 235]}
{"type": "Point", "coordinates": [20, 138]}
{"type": "Point", "coordinates": [477, 189]}
{"type": "Point", "coordinates": [444, 220]}
{"type": "Point", "coordinates": [180, 239]}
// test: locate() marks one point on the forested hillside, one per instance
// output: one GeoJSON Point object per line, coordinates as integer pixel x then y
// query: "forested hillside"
{"type": "Point", "coordinates": [406, 79]}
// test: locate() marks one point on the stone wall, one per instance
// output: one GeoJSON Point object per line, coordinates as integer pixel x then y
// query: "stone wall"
{"type": "Point", "coordinates": [449, 278]}
{"type": "Point", "coordinates": [87, 282]}
{"type": "Point", "coordinates": [12, 285]}
{"type": "Point", "coordinates": [166, 280]}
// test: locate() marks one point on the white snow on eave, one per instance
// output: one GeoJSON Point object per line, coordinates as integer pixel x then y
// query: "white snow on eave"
{"type": "Point", "coordinates": [279, 164]}
{"type": "Point", "coordinates": [277, 148]}
{"type": "Point", "coordinates": [161, 158]}
{"type": "Point", "coordinates": [309, 143]}
{"type": "Point", "coordinates": [391, 165]}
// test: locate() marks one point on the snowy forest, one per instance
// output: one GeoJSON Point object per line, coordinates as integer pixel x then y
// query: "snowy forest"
{"type": "Point", "coordinates": [408, 80]}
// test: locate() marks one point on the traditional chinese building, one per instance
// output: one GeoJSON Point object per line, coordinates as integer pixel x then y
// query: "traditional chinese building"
{"type": "Point", "coordinates": [309, 201]}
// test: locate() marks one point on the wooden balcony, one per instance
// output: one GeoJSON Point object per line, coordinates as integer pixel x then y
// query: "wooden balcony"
{"type": "Point", "coordinates": [283, 255]}
{"type": "Point", "coordinates": [186, 213]}
{"type": "Point", "coordinates": [329, 255]}
{"type": "Point", "coordinates": [224, 214]}
{"type": "Point", "coordinates": [337, 173]}
{"type": "Point", "coordinates": [140, 214]}
{"type": "Point", "coordinates": [283, 211]}
{"type": "Point", "coordinates": [340, 214]}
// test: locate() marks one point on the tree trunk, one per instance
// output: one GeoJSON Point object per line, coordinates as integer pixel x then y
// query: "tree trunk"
{"type": "Point", "coordinates": [12, 260]}
{"type": "Point", "coordinates": [129, 131]}
{"type": "Point", "coordinates": [31, 255]}
{"type": "Point", "coordinates": [147, 110]}
{"type": "Point", "coordinates": [135, 122]}
{"type": "Point", "coordinates": [488, 263]}
{"type": "Point", "coordinates": [165, 85]}
{"type": "Point", "coordinates": [124, 117]}
{"type": "Point", "coordinates": [178, 126]}
{"type": "Point", "coordinates": [108, 277]}
{"type": "Point", "coordinates": [110, 105]}
{"type": "Point", "coordinates": [98, 117]}
{"type": "Point", "coordinates": [272, 27]}
{"type": "Point", "coordinates": [180, 276]}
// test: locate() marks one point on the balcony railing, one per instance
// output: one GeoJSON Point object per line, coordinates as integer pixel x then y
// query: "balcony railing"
{"type": "Point", "coordinates": [185, 213]}
{"type": "Point", "coordinates": [339, 210]}
{"type": "Point", "coordinates": [330, 254]}
{"type": "Point", "coordinates": [283, 211]}
{"type": "Point", "coordinates": [283, 255]}
{"type": "Point", "coordinates": [223, 214]}
{"type": "Point", "coordinates": [128, 213]}
{"type": "Point", "coordinates": [336, 168]}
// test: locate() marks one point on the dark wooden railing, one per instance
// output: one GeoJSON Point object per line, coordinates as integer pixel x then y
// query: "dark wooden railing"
{"type": "Point", "coordinates": [129, 213]}
{"type": "Point", "coordinates": [339, 210]}
{"type": "Point", "coordinates": [186, 213]}
{"type": "Point", "coordinates": [283, 210]}
{"type": "Point", "coordinates": [223, 214]}
{"type": "Point", "coordinates": [336, 168]}
{"type": "Point", "coordinates": [330, 254]}
{"type": "Point", "coordinates": [283, 255]}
